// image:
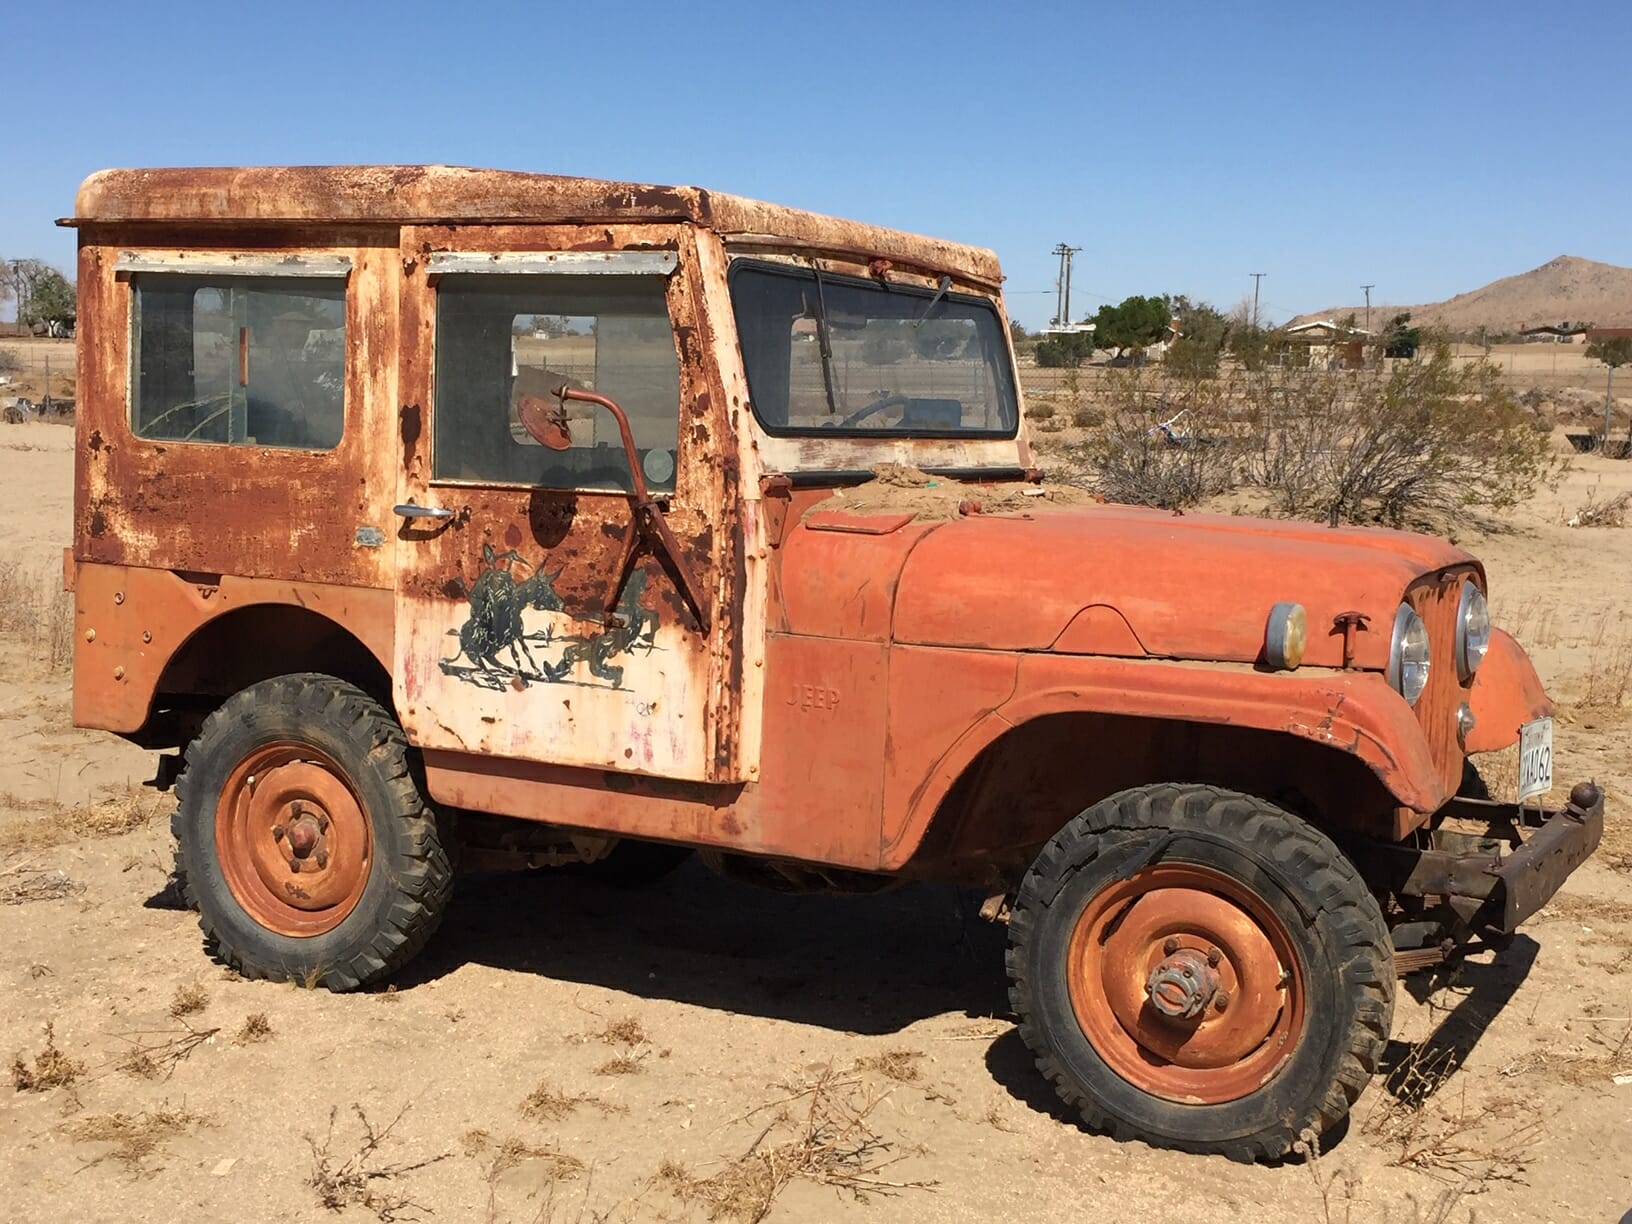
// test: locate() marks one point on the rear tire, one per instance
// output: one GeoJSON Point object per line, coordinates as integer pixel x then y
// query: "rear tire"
{"type": "Point", "coordinates": [1201, 970]}
{"type": "Point", "coordinates": [303, 838]}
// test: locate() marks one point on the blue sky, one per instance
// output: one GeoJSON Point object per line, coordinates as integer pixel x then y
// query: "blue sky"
{"type": "Point", "coordinates": [1427, 149]}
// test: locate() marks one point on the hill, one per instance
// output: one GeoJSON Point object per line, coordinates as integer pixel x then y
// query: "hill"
{"type": "Point", "coordinates": [1566, 288]}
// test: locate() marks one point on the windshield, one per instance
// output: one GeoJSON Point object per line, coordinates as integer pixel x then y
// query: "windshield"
{"type": "Point", "coordinates": [839, 355]}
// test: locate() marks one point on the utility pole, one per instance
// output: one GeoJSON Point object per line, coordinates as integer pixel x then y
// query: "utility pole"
{"type": "Point", "coordinates": [1368, 289]}
{"type": "Point", "coordinates": [1062, 285]}
{"type": "Point", "coordinates": [1256, 277]}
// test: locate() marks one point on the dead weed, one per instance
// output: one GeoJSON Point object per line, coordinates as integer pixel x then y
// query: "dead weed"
{"type": "Point", "coordinates": [153, 1059]}
{"type": "Point", "coordinates": [360, 1179]}
{"type": "Point", "coordinates": [256, 1027]}
{"type": "Point", "coordinates": [51, 1067]}
{"type": "Point", "coordinates": [24, 883]}
{"type": "Point", "coordinates": [131, 1138]}
{"type": "Point", "coordinates": [547, 1103]}
{"type": "Point", "coordinates": [898, 1065]}
{"type": "Point", "coordinates": [832, 1144]}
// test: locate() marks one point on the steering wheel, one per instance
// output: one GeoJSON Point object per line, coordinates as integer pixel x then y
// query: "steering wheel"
{"type": "Point", "coordinates": [889, 400]}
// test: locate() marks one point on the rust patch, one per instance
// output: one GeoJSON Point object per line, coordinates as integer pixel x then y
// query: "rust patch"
{"type": "Point", "coordinates": [99, 524]}
{"type": "Point", "coordinates": [95, 441]}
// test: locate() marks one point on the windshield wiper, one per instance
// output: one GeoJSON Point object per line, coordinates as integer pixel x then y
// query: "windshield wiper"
{"type": "Point", "coordinates": [941, 287]}
{"type": "Point", "coordinates": [824, 340]}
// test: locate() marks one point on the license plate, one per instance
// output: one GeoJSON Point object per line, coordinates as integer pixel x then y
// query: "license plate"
{"type": "Point", "coordinates": [1535, 758]}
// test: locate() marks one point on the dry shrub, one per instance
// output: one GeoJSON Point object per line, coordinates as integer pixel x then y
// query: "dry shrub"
{"type": "Point", "coordinates": [256, 1027]}
{"type": "Point", "coordinates": [512, 1153]}
{"type": "Point", "coordinates": [51, 1068]}
{"type": "Point", "coordinates": [1462, 1145]}
{"type": "Point", "coordinates": [131, 1138]}
{"type": "Point", "coordinates": [1425, 443]}
{"type": "Point", "coordinates": [1133, 461]}
{"type": "Point", "coordinates": [832, 1144]}
{"type": "Point", "coordinates": [1602, 512]}
{"type": "Point", "coordinates": [359, 1180]}
{"type": "Point", "coordinates": [188, 999]}
{"type": "Point", "coordinates": [1040, 410]}
{"type": "Point", "coordinates": [898, 1065]}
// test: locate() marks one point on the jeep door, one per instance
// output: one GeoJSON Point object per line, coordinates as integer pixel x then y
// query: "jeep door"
{"type": "Point", "coordinates": [535, 620]}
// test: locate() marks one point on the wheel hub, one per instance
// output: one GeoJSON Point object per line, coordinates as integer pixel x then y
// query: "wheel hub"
{"type": "Point", "coordinates": [294, 841]}
{"type": "Point", "coordinates": [1184, 981]}
{"type": "Point", "coordinates": [1181, 986]}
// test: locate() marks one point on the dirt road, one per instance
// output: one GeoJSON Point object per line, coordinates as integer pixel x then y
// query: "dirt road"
{"type": "Point", "coordinates": [571, 1053]}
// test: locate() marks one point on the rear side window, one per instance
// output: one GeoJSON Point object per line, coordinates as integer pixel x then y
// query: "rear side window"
{"type": "Point", "coordinates": [240, 360]}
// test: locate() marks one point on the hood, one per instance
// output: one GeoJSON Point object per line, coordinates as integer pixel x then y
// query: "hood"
{"type": "Point", "coordinates": [1138, 581]}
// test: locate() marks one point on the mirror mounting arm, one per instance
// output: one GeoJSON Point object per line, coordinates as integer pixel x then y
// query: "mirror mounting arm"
{"type": "Point", "coordinates": [649, 520]}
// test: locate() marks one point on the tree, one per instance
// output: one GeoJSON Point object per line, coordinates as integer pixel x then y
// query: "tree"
{"type": "Point", "coordinates": [1135, 322]}
{"type": "Point", "coordinates": [1613, 351]}
{"type": "Point", "coordinates": [1400, 339]}
{"type": "Point", "coordinates": [1204, 332]}
{"type": "Point", "coordinates": [45, 297]}
{"type": "Point", "coordinates": [1066, 351]}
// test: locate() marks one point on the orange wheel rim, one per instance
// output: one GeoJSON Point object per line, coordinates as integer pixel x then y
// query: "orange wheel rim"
{"type": "Point", "coordinates": [1185, 982]}
{"type": "Point", "coordinates": [293, 840]}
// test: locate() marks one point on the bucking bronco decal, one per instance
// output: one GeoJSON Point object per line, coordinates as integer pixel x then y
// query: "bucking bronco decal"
{"type": "Point", "coordinates": [496, 647]}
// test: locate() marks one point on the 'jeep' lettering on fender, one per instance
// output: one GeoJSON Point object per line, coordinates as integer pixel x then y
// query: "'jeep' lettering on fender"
{"type": "Point", "coordinates": [814, 697]}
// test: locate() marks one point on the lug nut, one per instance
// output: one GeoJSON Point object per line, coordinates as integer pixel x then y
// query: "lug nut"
{"type": "Point", "coordinates": [1214, 956]}
{"type": "Point", "coordinates": [277, 832]}
{"type": "Point", "coordinates": [1221, 1000]}
{"type": "Point", "coordinates": [1170, 945]}
{"type": "Point", "coordinates": [294, 866]}
{"type": "Point", "coordinates": [322, 859]}
{"type": "Point", "coordinates": [322, 823]}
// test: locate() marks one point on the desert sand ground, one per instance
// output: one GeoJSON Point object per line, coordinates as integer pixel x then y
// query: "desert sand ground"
{"type": "Point", "coordinates": [563, 1052]}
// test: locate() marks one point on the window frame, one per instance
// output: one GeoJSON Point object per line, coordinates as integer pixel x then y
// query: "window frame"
{"type": "Point", "coordinates": [1007, 372]}
{"type": "Point", "coordinates": [211, 271]}
{"type": "Point", "coordinates": [661, 264]}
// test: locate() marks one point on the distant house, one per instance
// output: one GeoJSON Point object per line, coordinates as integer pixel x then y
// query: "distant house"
{"type": "Point", "coordinates": [1332, 345]}
{"type": "Point", "coordinates": [1563, 333]}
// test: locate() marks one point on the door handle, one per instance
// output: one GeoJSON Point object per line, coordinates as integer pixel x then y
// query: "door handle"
{"type": "Point", "coordinates": [410, 511]}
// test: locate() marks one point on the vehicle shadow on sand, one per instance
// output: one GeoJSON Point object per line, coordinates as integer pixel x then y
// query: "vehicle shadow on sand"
{"type": "Point", "coordinates": [861, 964]}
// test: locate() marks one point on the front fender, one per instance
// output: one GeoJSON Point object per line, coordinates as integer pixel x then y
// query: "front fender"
{"type": "Point", "coordinates": [1506, 693]}
{"type": "Point", "coordinates": [1352, 712]}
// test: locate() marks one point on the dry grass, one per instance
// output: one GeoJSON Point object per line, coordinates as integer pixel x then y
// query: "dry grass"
{"type": "Point", "coordinates": [153, 1059]}
{"type": "Point", "coordinates": [188, 1000]}
{"type": "Point", "coordinates": [256, 1027]}
{"type": "Point", "coordinates": [898, 1065]}
{"type": "Point", "coordinates": [628, 1031]}
{"type": "Point", "coordinates": [621, 1064]}
{"type": "Point", "coordinates": [360, 1180]}
{"type": "Point", "coordinates": [23, 883]}
{"type": "Point", "coordinates": [35, 611]}
{"type": "Point", "coordinates": [514, 1152]}
{"type": "Point", "coordinates": [57, 824]}
{"type": "Point", "coordinates": [547, 1103]}
{"type": "Point", "coordinates": [131, 1138]}
{"type": "Point", "coordinates": [51, 1067]}
{"type": "Point", "coordinates": [832, 1143]}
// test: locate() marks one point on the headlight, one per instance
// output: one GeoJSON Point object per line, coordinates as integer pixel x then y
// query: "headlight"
{"type": "Point", "coordinates": [1472, 631]}
{"type": "Point", "coordinates": [1408, 655]}
{"type": "Point", "coordinates": [1286, 635]}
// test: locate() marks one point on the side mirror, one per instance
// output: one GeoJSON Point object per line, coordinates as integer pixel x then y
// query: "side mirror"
{"type": "Point", "coordinates": [545, 421]}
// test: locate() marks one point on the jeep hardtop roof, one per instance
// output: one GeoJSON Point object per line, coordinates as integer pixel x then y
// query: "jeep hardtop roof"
{"type": "Point", "coordinates": [456, 195]}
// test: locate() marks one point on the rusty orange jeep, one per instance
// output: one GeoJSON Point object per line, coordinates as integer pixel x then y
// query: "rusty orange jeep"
{"type": "Point", "coordinates": [441, 517]}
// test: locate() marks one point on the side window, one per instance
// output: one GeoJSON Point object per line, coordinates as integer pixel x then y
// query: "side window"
{"type": "Point", "coordinates": [241, 360]}
{"type": "Point", "coordinates": [500, 337]}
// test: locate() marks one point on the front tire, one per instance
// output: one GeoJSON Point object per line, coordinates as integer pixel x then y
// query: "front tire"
{"type": "Point", "coordinates": [303, 839]}
{"type": "Point", "coordinates": [1201, 970]}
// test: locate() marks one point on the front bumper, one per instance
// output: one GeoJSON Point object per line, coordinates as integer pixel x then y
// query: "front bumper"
{"type": "Point", "coordinates": [1493, 864]}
